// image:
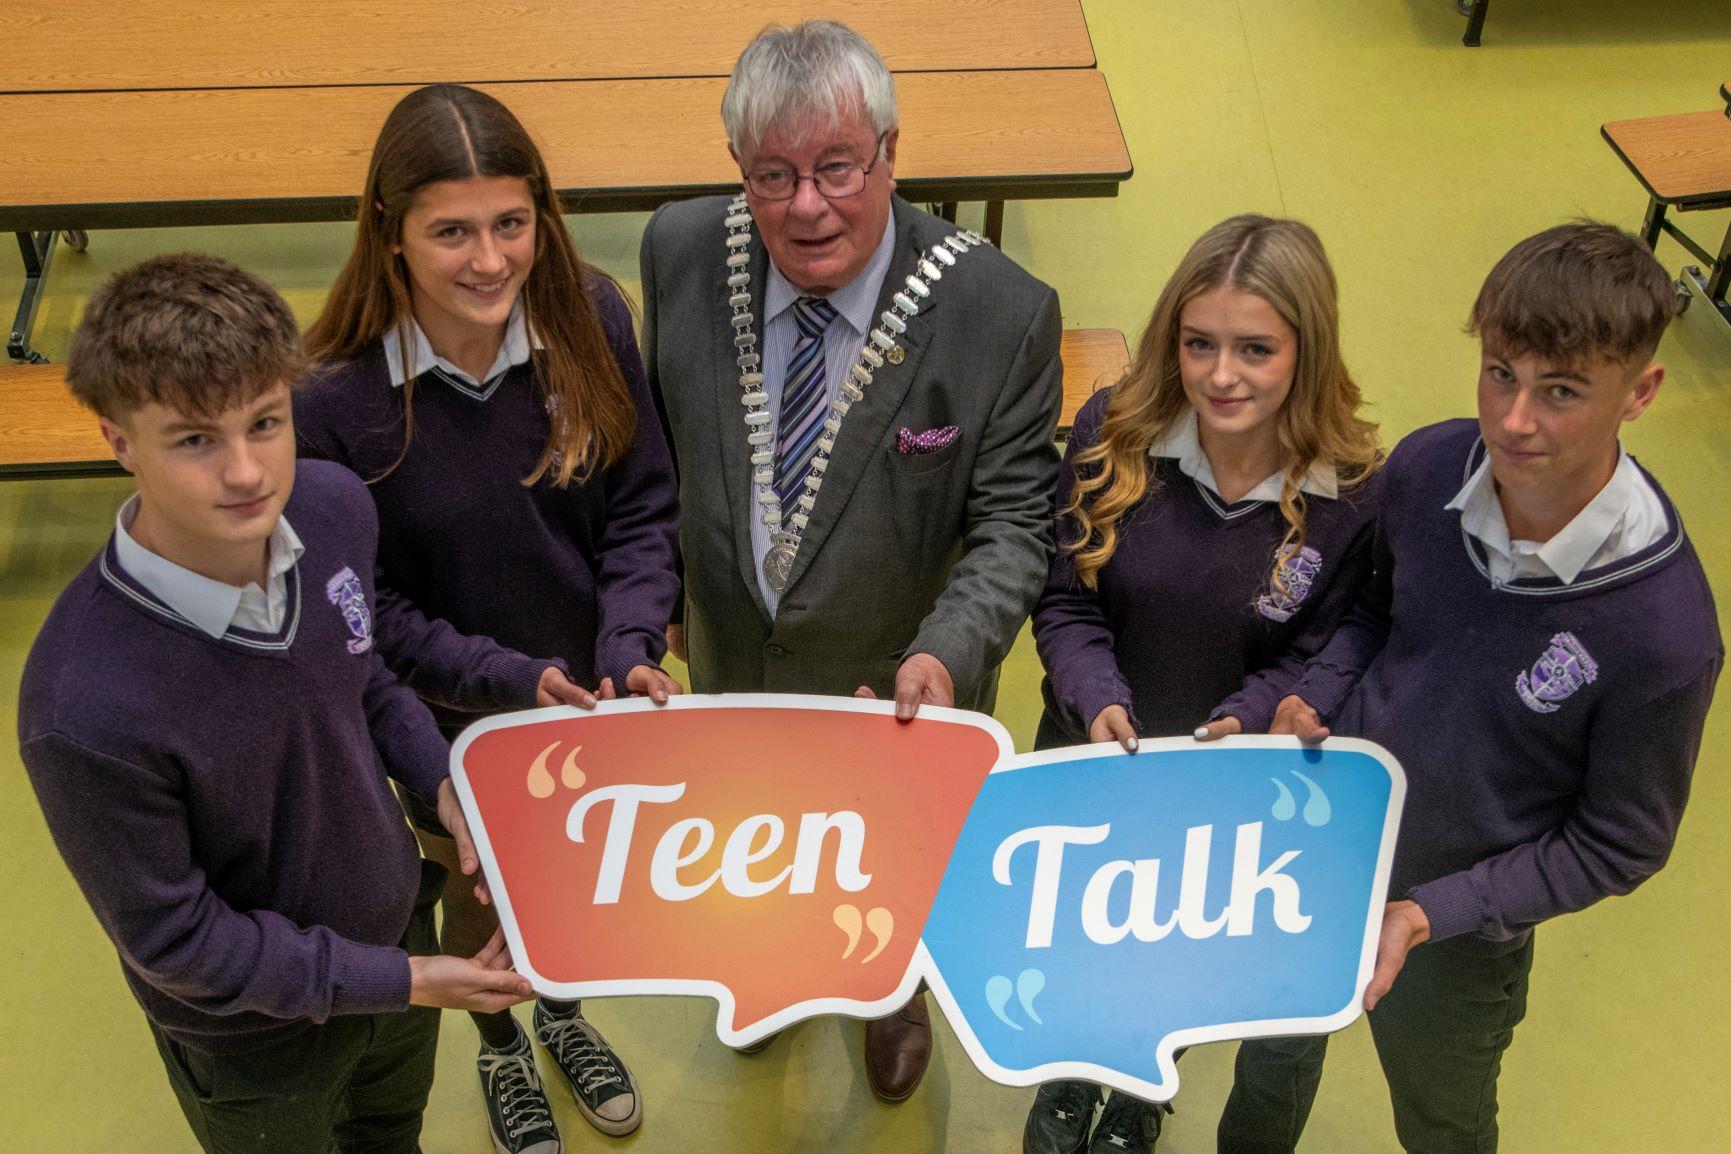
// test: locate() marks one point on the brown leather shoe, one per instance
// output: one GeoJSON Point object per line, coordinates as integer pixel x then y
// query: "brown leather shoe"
{"type": "Point", "coordinates": [897, 1049]}
{"type": "Point", "coordinates": [758, 1046]}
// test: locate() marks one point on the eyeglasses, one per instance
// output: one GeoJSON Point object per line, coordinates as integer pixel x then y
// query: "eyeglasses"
{"type": "Point", "coordinates": [835, 181]}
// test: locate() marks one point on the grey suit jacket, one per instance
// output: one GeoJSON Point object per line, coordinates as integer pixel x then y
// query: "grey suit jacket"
{"type": "Point", "coordinates": [941, 553]}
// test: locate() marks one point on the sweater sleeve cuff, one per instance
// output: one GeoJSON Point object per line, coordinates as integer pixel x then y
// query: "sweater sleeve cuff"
{"type": "Point", "coordinates": [623, 654]}
{"type": "Point", "coordinates": [369, 979]}
{"type": "Point", "coordinates": [515, 678]}
{"type": "Point", "coordinates": [1253, 713]}
{"type": "Point", "coordinates": [427, 757]}
{"type": "Point", "coordinates": [1093, 699]}
{"type": "Point", "coordinates": [1324, 690]}
{"type": "Point", "coordinates": [1451, 905]}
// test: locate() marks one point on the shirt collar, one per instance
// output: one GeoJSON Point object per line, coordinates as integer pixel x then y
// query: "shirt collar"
{"type": "Point", "coordinates": [208, 604]}
{"type": "Point", "coordinates": [513, 351]}
{"type": "Point", "coordinates": [1183, 444]}
{"type": "Point", "coordinates": [1570, 550]}
{"type": "Point", "coordinates": [854, 301]}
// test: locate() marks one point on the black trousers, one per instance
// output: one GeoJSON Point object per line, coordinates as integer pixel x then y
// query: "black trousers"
{"type": "Point", "coordinates": [1440, 1034]}
{"type": "Point", "coordinates": [358, 1083]}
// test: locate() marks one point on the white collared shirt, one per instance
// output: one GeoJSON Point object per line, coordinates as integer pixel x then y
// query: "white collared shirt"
{"type": "Point", "coordinates": [854, 303]}
{"type": "Point", "coordinates": [513, 351]}
{"type": "Point", "coordinates": [1624, 518]}
{"type": "Point", "coordinates": [213, 606]}
{"type": "Point", "coordinates": [1183, 444]}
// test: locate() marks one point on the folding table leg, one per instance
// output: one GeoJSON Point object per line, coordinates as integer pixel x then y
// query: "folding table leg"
{"type": "Point", "coordinates": [1653, 223]}
{"type": "Point", "coordinates": [1476, 23]}
{"type": "Point", "coordinates": [37, 249]}
{"type": "Point", "coordinates": [1713, 284]}
{"type": "Point", "coordinates": [995, 222]}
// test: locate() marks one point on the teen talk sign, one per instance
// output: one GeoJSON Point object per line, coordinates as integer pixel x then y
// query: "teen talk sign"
{"type": "Point", "coordinates": [1077, 913]}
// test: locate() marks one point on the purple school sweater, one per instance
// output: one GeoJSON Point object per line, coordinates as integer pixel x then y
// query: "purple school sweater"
{"type": "Point", "coordinates": [223, 803]}
{"type": "Point", "coordinates": [475, 569]}
{"type": "Point", "coordinates": [1548, 731]}
{"type": "Point", "coordinates": [1183, 624]}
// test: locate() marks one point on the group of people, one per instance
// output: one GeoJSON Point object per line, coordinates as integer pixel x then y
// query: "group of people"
{"type": "Point", "coordinates": [828, 467]}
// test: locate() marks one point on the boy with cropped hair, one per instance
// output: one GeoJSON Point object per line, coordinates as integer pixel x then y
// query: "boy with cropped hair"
{"type": "Point", "coordinates": [209, 732]}
{"type": "Point", "coordinates": [1539, 649]}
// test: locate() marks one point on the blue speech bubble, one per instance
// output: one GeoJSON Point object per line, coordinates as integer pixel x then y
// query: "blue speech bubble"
{"type": "Point", "coordinates": [1102, 910]}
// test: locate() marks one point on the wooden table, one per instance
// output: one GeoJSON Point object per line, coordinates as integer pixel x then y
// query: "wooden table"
{"type": "Point", "coordinates": [94, 45]}
{"type": "Point", "coordinates": [192, 112]}
{"type": "Point", "coordinates": [1684, 163]}
{"type": "Point", "coordinates": [273, 154]}
{"type": "Point", "coordinates": [90, 160]}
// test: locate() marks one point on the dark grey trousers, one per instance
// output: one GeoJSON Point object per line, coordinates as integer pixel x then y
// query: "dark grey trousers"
{"type": "Point", "coordinates": [358, 1083]}
{"type": "Point", "coordinates": [1440, 1034]}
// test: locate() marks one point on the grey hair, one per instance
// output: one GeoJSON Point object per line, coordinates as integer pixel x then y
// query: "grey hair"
{"type": "Point", "coordinates": [819, 66]}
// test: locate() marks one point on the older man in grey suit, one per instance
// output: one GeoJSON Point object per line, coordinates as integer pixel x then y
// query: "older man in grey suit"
{"type": "Point", "coordinates": [861, 400]}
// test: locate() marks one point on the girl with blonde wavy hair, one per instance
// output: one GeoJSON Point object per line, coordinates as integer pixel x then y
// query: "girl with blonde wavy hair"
{"type": "Point", "coordinates": [1215, 511]}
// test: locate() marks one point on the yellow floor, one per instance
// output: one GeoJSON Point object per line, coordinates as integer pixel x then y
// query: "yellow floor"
{"type": "Point", "coordinates": [1419, 162]}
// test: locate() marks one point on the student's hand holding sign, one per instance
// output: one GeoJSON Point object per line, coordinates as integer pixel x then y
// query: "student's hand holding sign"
{"type": "Point", "coordinates": [451, 817]}
{"type": "Point", "coordinates": [484, 983]}
{"type": "Point", "coordinates": [1294, 715]}
{"type": "Point", "coordinates": [1404, 926]}
{"type": "Point", "coordinates": [555, 688]}
{"type": "Point", "coordinates": [1218, 728]}
{"type": "Point", "coordinates": [644, 681]}
{"type": "Point", "coordinates": [1113, 724]}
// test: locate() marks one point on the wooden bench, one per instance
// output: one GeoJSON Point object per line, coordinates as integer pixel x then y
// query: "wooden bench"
{"type": "Point", "coordinates": [1093, 360]}
{"type": "Point", "coordinates": [1684, 163]}
{"type": "Point", "coordinates": [44, 432]}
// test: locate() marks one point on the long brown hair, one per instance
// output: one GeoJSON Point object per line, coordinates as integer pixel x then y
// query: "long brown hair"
{"type": "Point", "coordinates": [1283, 262]}
{"type": "Point", "coordinates": [451, 132]}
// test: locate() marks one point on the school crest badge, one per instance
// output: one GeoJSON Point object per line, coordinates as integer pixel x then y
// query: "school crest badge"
{"type": "Point", "coordinates": [346, 592]}
{"type": "Point", "coordinates": [1557, 675]}
{"type": "Point", "coordinates": [1298, 573]}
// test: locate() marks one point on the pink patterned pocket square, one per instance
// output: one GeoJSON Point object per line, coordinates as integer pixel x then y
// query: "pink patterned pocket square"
{"type": "Point", "coordinates": [912, 444]}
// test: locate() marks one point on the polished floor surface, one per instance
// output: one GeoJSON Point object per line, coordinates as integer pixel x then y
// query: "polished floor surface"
{"type": "Point", "coordinates": [1419, 162]}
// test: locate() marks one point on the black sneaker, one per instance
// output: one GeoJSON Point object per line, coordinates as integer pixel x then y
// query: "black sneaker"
{"type": "Point", "coordinates": [1059, 1121]}
{"type": "Point", "coordinates": [1127, 1125]}
{"type": "Point", "coordinates": [606, 1092]}
{"type": "Point", "coordinates": [518, 1112]}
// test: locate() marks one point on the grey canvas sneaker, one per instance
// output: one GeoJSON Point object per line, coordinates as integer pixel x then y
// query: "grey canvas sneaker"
{"type": "Point", "coordinates": [518, 1113]}
{"type": "Point", "coordinates": [603, 1085]}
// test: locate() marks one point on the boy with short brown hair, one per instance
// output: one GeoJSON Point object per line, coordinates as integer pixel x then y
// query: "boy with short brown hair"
{"type": "Point", "coordinates": [209, 732]}
{"type": "Point", "coordinates": [1539, 649]}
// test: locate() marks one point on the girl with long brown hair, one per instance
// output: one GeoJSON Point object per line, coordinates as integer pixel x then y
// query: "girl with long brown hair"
{"type": "Point", "coordinates": [1215, 512]}
{"type": "Point", "coordinates": [486, 383]}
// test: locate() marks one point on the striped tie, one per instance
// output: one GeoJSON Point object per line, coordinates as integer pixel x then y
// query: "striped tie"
{"type": "Point", "coordinates": [802, 402]}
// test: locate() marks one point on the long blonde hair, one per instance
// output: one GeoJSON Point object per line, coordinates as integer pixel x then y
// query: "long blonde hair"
{"type": "Point", "coordinates": [1283, 262]}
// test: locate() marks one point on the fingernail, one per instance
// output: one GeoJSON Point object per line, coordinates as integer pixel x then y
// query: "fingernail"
{"type": "Point", "coordinates": [1201, 733]}
{"type": "Point", "coordinates": [1133, 745]}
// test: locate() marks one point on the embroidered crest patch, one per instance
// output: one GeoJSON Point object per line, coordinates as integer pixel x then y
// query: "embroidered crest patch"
{"type": "Point", "coordinates": [1299, 574]}
{"type": "Point", "coordinates": [345, 592]}
{"type": "Point", "coordinates": [1557, 675]}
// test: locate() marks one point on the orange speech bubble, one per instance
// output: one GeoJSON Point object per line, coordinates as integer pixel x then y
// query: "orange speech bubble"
{"type": "Point", "coordinates": [780, 854]}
